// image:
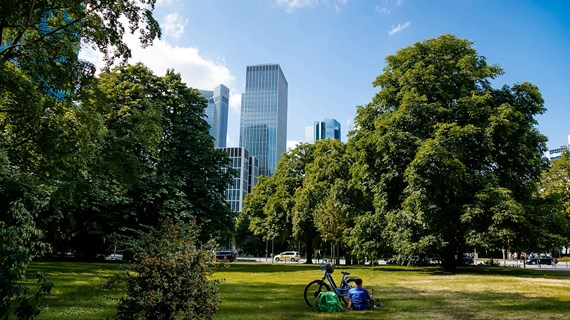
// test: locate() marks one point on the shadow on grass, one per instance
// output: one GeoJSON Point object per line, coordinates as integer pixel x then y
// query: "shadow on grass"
{"type": "Point", "coordinates": [475, 270]}
{"type": "Point", "coordinates": [76, 267]}
{"type": "Point", "coordinates": [268, 268]}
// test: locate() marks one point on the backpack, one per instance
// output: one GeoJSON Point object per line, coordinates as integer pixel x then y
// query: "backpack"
{"type": "Point", "coordinates": [327, 301]}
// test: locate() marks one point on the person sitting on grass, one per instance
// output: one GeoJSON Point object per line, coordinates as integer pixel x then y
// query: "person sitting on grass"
{"type": "Point", "coordinates": [359, 298]}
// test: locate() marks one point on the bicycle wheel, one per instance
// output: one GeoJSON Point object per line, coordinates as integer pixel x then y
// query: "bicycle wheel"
{"type": "Point", "coordinates": [344, 299]}
{"type": "Point", "coordinates": [313, 289]}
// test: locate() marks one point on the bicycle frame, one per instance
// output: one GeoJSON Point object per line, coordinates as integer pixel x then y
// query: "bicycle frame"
{"type": "Point", "coordinates": [342, 290]}
{"type": "Point", "coordinates": [315, 287]}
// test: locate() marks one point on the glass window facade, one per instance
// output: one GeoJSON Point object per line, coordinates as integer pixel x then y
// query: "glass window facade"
{"type": "Point", "coordinates": [263, 125]}
{"type": "Point", "coordinates": [326, 129]}
{"type": "Point", "coordinates": [217, 113]}
{"type": "Point", "coordinates": [238, 188]}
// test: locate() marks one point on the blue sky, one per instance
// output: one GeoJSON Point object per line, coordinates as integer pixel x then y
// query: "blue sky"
{"type": "Point", "coordinates": [332, 50]}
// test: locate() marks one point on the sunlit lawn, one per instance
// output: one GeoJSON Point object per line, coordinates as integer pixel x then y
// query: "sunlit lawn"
{"type": "Point", "coordinates": [265, 291]}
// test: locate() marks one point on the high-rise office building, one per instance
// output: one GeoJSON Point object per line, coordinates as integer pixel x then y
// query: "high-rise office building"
{"type": "Point", "coordinates": [326, 129]}
{"type": "Point", "coordinates": [244, 180]}
{"type": "Point", "coordinates": [555, 154]}
{"type": "Point", "coordinates": [217, 113]}
{"type": "Point", "coordinates": [263, 125]}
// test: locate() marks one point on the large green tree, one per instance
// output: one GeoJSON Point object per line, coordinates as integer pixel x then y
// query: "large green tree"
{"type": "Point", "coordinates": [437, 140]}
{"type": "Point", "coordinates": [309, 197]}
{"type": "Point", "coordinates": [555, 189]}
{"type": "Point", "coordinates": [326, 204]}
{"type": "Point", "coordinates": [270, 206]}
{"type": "Point", "coordinates": [46, 140]}
{"type": "Point", "coordinates": [156, 160]}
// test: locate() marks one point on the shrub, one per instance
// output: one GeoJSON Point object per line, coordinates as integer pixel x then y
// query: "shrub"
{"type": "Point", "coordinates": [170, 279]}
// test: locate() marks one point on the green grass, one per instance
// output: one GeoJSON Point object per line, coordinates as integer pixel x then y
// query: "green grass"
{"type": "Point", "coordinates": [78, 291]}
{"type": "Point", "coordinates": [264, 291]}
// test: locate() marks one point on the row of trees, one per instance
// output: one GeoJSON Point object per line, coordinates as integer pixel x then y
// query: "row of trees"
{"type": "Point", "coordinates": [83, 157]}
{"type": "Point", "coordinates": [439, 163]}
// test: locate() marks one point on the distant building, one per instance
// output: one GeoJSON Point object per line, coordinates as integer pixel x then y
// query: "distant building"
{"type": "Point", "coordinates": [217, 113]}
{"type": "Point", "coordinates": [245, 179]}
{"type": "Point", "coordinates": [326, 129]}
{"type": "Point", "coordinates": [263, 123]}
{"type": "Point", "coordinates": [555, 154]}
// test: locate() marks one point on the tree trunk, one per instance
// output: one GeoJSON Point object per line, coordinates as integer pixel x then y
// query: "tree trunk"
{"type": "Point", "coordinates": [449, 262]}
{"type": "Point", "coordinates": [309, 253]}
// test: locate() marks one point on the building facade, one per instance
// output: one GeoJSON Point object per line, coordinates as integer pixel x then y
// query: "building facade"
{"type": "Point", "coordinates": [263, 123]}
{"type": "Point", "coordinates": [326, 129]}
{"type": "Point", "coordinates": [555, 154]}
{"type": "Point", "coordinates": [245, 179]}
{"type": "Point", "coordinates": [217, 113]}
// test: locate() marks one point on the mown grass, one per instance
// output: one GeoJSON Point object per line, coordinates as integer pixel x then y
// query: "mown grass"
{"type": "Point", "coordinates": [276, 292]}
{"type": "Point", "coordinates": [265, 291]}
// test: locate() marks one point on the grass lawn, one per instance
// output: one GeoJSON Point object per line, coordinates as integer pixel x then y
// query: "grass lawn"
{"type": "Point", "coordinates": [264, 291]}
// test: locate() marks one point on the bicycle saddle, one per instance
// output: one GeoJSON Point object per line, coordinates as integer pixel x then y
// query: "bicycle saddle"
{"type": "Point", "coordinates": [345, 273]}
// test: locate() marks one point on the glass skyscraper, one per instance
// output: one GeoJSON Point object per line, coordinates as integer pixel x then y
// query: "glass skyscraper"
{"type": "Point", "coordinates": [263, 125]}
{"type": "Point", "coordinates": [217, 113]}
{"type": "Point", "coordinates": [326, 129]}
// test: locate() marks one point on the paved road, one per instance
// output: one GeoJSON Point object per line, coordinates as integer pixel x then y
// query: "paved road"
{"type": "Point", "coordinates": [561, 266]}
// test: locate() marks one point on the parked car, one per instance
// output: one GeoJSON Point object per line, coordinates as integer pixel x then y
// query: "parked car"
{"type": "Point", "coordinates": [288, 255]}
{"type": "Point", "coordinates": [468, 259]}
{"type": "Point", "coordinates": [228, 255]}
{"type": "Point", "coordinates": [114, 257]}
{"type": "Point", "coordinates": [541, 260]}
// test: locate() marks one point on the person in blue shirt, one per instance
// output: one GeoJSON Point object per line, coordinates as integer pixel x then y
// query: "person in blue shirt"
{"type": "Point", "coordinates": [358, 297]}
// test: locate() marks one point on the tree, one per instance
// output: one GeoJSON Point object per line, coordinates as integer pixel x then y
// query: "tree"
{"type": "Point", "coordinates": [156, 157]}
{"type": "Point", "coordinates": [47, 140]}
{"type": "Point", "coordinates": [326, 204]}
{"type": "Point", "coordinates": [556, 181]}
{"type": "Point", "coordinates": [43, 37]}
{"type": "Point", "coordinates": [555, 190]}
{"type": "Point", "coordinates": [309, 197]}
{"type": "Point", "coordinates": [436, 140]}
{"type": "Point", "coordinates": [270, 206]}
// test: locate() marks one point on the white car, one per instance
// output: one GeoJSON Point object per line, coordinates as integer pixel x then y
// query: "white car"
{"type": "Point", "coordinates": [288, 255]}
{"type": "Point", "coordinates": [114, 257]}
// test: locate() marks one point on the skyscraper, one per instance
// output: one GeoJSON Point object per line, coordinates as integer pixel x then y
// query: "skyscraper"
{"type": "Point", "coordinates": [217, 113]}
{"type": "Point", "coordinates": [263, 125]}
{"type": "Point", "coordinates": [326, 129]}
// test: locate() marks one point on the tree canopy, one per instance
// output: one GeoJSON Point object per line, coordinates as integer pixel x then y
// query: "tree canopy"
{"type": "Point", "coordinates": [450, 161]}
{"type": "Point", "coordinates": [310, 197]}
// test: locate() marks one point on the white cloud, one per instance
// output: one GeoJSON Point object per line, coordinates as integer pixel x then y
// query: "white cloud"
{"type": "Point", "coordinates": [296, 4]}
{"type": "Point", "coordinates": [235, 100]}
{"type": "Point", "coordinates": [398, 28]}
{"type": "Point", "coordinates": [163, 3]}
{"type": "Point", "coordinates": [291, 144]}
{"type": "Point", "coordinates": [173, 25]}
{"type": "Point", "coordinates": [197, 71]}
{"type": "Point", "coordinates": [383, 9]}
{"type": "Point", "coordinates": [291, 5]}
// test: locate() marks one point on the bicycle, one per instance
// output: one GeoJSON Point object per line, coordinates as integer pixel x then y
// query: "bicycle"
{"type": "Point", "coordinates": [315, 287]}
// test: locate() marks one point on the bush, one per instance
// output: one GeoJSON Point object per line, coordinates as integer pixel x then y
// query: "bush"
{"type": "Point", "coordinates": [170, 279]}
{"type": "Point", "coordinates": [22, 197]}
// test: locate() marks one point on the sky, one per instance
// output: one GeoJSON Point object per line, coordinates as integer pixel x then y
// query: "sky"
{"type": "Point", "coordinates": [332, 50]}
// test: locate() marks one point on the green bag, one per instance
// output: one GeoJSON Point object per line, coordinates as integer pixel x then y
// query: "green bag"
{"type": "Point", "coordinates": [327, 301]}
